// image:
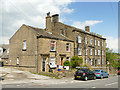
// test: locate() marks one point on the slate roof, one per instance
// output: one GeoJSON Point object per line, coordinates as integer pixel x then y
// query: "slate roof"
{"type": "Point", "coordinates": [83, 31]}
{"type": "Point", "coordinates": [44, 34]}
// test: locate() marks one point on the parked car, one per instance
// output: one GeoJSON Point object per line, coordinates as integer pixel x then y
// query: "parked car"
{"type": "Point", "coordinates": [118, 72]}
{"type": "Point", "coordinates": [84, 73]}
{"type": "Point", "coordinates": [101, 74]}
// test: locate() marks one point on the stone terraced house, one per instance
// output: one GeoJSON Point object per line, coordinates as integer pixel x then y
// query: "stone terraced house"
{"type": "Point", "coordinates": [38, 50]}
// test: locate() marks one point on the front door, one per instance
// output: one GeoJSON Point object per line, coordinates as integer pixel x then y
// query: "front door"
{"type": "Point", "coordinates": [95, 62]}
{"type": "Point", "coordinates": [43, 64]}
{"type": "Point", "coordinates": [61, 61]}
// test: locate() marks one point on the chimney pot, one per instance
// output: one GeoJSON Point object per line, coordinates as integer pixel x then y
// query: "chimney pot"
{"type": "Point", "coordinates": [87, 28]}
{"type": "Point", "coordinates": [55, 18]}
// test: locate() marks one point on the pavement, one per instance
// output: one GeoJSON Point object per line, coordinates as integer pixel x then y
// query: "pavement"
{"type": "Point", "coordinates": [15, 76]}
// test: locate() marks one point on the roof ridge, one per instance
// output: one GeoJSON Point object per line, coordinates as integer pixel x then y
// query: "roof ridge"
{"type": "Point", "coordinates": [33, 27]}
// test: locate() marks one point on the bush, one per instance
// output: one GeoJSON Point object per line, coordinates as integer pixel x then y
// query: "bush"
{"type": "Point", "coordinates": [66, 63]}
{"type": "Point", "coordinates": [76, 61]}
{"type": "Point", "coordinates": [85, 65]}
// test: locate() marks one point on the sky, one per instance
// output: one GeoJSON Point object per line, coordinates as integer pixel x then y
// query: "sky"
{"type": "Point", "coordinates": [102, 17]}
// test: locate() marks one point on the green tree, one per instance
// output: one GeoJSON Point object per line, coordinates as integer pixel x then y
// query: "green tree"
{"type": "Point", "coordinates": [66, 63]}
{"type": "Point", "coordinates": [112, 58]}
{"type": "Point", "coordinates": [76, 61]}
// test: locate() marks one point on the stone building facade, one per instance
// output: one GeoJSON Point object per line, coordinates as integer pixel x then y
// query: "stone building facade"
{"type": "Point", "coordinates": [37, 50]}
{"type": "Point", "coordinates": [89, 46]}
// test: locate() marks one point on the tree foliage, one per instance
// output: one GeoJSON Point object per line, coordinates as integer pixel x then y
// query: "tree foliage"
{"type": "Point", "coordinates": [76, 61]}
{"type": "Point", "coordinates": [112, 58]}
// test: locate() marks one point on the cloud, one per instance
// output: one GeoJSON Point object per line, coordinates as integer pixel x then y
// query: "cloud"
{"type": "Point", "coordinates": [67, 10]}
{"type": "Point", "coordinates": [82, 25]}
{"type": "Point", "coordinates": [112, 43]}
{"type": "Point", "coordinates": [14, 13]}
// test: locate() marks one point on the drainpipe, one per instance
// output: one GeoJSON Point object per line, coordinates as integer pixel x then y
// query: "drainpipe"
{"type": "Point", "coordinates": [37, 56]}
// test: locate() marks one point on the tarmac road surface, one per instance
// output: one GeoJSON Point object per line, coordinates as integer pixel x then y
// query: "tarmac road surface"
{"type": "Point", "coordinates": [111, 82]}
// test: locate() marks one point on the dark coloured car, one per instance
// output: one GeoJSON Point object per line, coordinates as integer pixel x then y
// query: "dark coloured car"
{"type": "Point", "coordinates": [84, 73]}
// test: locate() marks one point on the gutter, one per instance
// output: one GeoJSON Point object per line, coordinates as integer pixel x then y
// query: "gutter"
{"type": "Point", "coordinates": [41, 36]}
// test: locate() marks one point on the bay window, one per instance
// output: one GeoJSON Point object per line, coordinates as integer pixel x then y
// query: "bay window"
{"type": "Point", "coordinates": [52, 62]}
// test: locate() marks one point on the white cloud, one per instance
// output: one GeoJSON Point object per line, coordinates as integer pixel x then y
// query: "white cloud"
{"type": "Point", "coordinates": [67, 10]}
{"type": "Point", "coordinates": [112, 43]}
{"type": "Point", "coordinates": [82, 25]}
{"type": "Point", "coordinates": [14, 13]}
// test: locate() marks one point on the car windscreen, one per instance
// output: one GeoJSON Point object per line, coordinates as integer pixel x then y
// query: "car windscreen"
{"type": "Point", "coordinates": [81, 70]}
{"type": "Point", "coordinates": [96, 70]}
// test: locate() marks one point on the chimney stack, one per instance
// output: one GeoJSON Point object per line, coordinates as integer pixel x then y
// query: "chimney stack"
{"type": "Point", "coordinates": [55, 18]}
{"type": "Point", "coordinates": [87, 28]}
{"type": "Point", "coordinates": [48, 23]}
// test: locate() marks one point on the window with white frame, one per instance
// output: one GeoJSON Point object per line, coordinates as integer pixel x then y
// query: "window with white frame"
{"type": "Point", "coordinates": [102, 61]}
{"type": "Point", "coordinates": [67, 58]}
{"type": "Point", "coordinates": [52, 45]}
{"type": "Point", "coordinates": [91, 62]}
{"type": "Point", "coordinates": [91, 41]}
{"type": "Point", "coordinates": [17, 60]}
{"type": "Point", "coordinates": [102, 44]}
{"type": "Point", "coordinates": [98, 61]}
{"type": "Point", "coordinates": [86, 60]}
{"type": "Point", "coordinates": [52, 62]}
{"type": "Point", "coordinates": [85, 40]}
{"type": "Point", "coordinates": [79, 39]}
{"type": "Point", "coordinates": [24, 45]}
{"type": "Point", "coordinates": [98, 43]}
{"type": "Point", "coordinates": [98, 52]}
{"type": "Point", "coordinates": [95, 42]}
{"type": "Point", "coordinates": [79, 51]}
{"type": "Point", "coordinates": [91, 51]}
{"type": "Point", "coordinates": [95, 52]}
{"type": "Point", "coordinates": [86, 51]}
{"type": "Point", "coordinates": [67, 47]}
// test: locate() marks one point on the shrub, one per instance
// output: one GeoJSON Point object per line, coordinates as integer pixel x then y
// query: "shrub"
{"type": "Point", "coordinates": [66, 63]}
{"type": "Point", "coordinates": [76, 61]}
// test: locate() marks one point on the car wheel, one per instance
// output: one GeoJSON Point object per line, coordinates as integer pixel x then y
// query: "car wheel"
{"type": "Point", "coordinates": [75, 78]}
{"type": "Point", "coordinates": [94, 78]}
{"type": "Point", "coordinates": [101, 77]}
{"type": "Point", "coordinates": [107, 77]}
{"type": "Point", "coordinates": [86, 78]}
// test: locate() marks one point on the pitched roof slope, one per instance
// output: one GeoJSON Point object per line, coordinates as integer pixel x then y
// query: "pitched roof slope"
{"type": "Point", "coordinates": [80, 30]}
{"type": "Point", "coordinates": [45, 34]}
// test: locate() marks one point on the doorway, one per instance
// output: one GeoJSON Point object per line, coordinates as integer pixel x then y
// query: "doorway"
{"type": "Point", "coordinates": [43, 64]}
{"type": "Point", "coordinates": [61, 61]}
{"type": "Point", "coordinates": [95, 62]}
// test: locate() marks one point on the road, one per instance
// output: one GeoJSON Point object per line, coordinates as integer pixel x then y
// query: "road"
{"type": "Point", "coordinates": [111, 82]}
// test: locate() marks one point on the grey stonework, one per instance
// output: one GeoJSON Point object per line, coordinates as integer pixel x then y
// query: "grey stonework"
{"type": "Point", "coordinates": [38, 43]}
